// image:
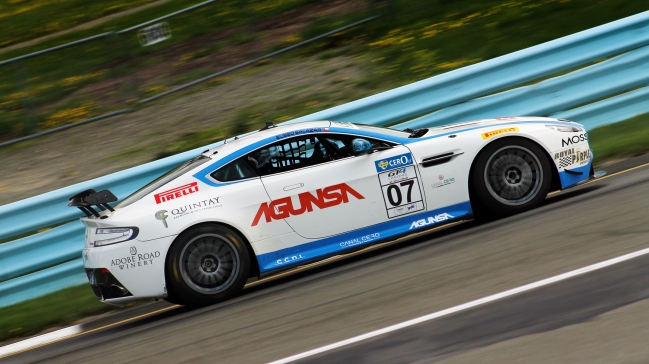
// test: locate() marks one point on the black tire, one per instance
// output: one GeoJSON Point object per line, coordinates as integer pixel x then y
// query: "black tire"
{"type": "Point", "coordinates": [206, 264]}
{"type": "Point", "coordinates": [509, 176]}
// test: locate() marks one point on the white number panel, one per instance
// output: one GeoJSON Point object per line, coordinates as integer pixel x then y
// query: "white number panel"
{"type": "Point", "coordinates": [401, 191]}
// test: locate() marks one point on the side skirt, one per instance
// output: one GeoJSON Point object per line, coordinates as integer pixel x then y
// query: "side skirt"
{"type": "Point", "coordinates": [320, 249]}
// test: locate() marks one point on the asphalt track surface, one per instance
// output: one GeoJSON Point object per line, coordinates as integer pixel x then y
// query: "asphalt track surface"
{"type": "Point", "coordinates": [600, 316]}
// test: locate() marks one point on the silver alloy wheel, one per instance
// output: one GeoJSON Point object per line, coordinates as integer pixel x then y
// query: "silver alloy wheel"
{"type": "Point", "coordinates": [513, 175]}
{"type": "Point", "coordinates": [209, 263]}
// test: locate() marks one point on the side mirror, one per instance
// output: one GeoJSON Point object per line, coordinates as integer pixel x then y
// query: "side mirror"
{"type": "Point", "coordinates": [379, 148]}
{"type": "Point", "coordinates": [373, 150]}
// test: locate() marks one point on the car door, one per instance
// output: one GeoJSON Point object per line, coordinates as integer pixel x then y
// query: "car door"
{"type": "Point", "coordinates": [320, 186]}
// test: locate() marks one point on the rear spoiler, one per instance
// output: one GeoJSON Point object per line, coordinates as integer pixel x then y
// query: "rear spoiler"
{"type": "Point", "coordinates": [88, 198]}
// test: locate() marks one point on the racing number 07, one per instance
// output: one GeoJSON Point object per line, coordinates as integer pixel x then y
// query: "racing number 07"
{"type": "Point", "coordinates": [397, 192]}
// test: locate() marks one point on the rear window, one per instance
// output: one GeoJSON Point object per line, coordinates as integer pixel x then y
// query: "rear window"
{"type": "Point", "coordinates": [235, 171]}
{"type": "Point", "coordinates": [164, 179]}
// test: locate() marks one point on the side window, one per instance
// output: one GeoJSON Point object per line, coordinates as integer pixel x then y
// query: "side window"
{"type": "Point", "coordinates": [339, 145]}
{"type": "Point", "coordinates": [234, 171]}
{"type": "Point", "coordinates": [291, 154]}
{"type": "Point", "coordinates": [346, 145]}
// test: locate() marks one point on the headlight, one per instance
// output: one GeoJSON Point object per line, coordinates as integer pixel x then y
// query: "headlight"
{"type": "Point", "coordinates": [565, 128]}
{"type": "Point", "coordinates": [107, 236]}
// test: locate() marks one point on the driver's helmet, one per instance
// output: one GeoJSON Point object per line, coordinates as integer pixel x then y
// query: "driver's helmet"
{"type": "Point", "coordinates": [265, 155]}
{"type": "Point", "coordinates": [360, 145]}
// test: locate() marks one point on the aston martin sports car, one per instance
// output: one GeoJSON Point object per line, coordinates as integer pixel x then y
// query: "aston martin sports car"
{"type": "Point", "coordinates": [290, 195]}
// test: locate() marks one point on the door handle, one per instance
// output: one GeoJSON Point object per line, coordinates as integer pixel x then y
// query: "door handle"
{"type": "Point", "coordinates": [292, 187]}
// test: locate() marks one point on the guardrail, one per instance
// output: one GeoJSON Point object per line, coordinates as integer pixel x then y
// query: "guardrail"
{"type": "Point", "coordinates": [22, 79]}
{"type": "Point", "coordinates": [461, 94]}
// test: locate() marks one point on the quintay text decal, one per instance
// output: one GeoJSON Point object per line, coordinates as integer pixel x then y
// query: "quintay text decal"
{"type": "Point", "coordinates": [325, 197]}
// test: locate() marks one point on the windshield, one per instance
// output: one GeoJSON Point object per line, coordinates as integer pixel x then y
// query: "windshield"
{"type": "Point", "coordinates": [382, 130]}
{"type": "Point", "coordinates": [162, 180]}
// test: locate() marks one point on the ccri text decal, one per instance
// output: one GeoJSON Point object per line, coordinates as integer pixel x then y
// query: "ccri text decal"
{"type": "Point", "coordinates": [289, 259]}
{"type": "Point", "coordinates": [177, 192]}
{"type": "Point", "coordinates": [325, 197]}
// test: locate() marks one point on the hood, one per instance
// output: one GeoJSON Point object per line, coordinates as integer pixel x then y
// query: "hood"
{"type": "Point", "coordinates": [461, 126]}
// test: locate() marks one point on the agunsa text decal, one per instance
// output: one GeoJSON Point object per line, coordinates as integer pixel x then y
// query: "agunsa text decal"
{"type": "Point", "coordinates": [175, 193]}
{"type": "Point", "coordinates": [431, 220]}
{"type": "Point", "coordinates": [324, 198]}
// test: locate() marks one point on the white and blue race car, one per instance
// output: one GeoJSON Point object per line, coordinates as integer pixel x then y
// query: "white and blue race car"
{"type": "Point", "coordinates": [290, 195]}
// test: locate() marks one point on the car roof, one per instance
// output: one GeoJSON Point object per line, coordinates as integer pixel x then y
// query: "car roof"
{"type": "Point", "coordinates": [245, 140]}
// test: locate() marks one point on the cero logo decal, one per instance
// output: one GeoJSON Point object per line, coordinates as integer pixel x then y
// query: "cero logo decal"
{"type": "Point", "coordinates": [393, 162]}
{"type": "Point", "coordinates": [326, 197]}
{"type": "Point", "coordinates": [177, 192]}
{"type": "Point", "coordinates": [575, 139]}
{"type": "Point", "coordinates": [493, 133]}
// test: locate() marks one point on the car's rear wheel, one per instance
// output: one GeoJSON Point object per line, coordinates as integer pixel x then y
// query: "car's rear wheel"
{"type": "Point", "coordinates": [510, 175]}
{"type": "Point", "coordinates": [207, 264]}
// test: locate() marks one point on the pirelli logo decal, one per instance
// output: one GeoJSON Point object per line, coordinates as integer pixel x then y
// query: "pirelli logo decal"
{"type": "Point", "coordinates": [176, 193]}
{"type": "Point", "coordinates": [493, 133]}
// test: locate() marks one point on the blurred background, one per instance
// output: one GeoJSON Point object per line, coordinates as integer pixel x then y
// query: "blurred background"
{"type": "Point", "coordinates": [148, 79]}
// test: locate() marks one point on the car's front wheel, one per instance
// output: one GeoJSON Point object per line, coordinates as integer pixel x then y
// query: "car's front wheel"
{"type": "Point", "coordinates": [510, 175]}
{"type": "Point", "coordinates": [206, 264]}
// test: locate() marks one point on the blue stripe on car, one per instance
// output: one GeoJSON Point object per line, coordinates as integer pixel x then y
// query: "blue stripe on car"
{"type": "Point", "coordinates": [582, 173]}
{"type": "Point", "coordinates": [361, 237]}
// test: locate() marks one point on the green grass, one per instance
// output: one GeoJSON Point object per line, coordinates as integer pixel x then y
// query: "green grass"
{"type": "Point", "coordinates": [412, 41]}
{"type": "Point", "coordinates": [29, 88]}
{"type": "Point", "coordinates": [624, 139]}
{"type": "Point", "coordinates": [59, 308]}
{"type": "Point", "coordinates": [254, 116]}
{"type": "Point", "coordinates": [22, 20]}
{"type": "Point", "coordinates": [33, 232]}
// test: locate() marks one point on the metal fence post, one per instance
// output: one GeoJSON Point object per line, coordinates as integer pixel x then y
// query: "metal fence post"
{"type": "Point", "coordinates": [128, 55]}
{"type": "Point", "coordinates": [248, 12]}
{"type": "Point", "coordinates": [113, 44]}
